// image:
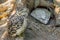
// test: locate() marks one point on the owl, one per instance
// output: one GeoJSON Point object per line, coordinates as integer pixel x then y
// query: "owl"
{"type": "Point", "coordinates": [18, 22]}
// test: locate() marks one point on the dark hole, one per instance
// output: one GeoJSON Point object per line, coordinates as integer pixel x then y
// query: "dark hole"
{"type": "Point", "coordinates": [57, 26]}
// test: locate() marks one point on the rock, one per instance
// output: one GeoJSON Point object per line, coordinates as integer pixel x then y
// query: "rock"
{"type": "Point", "coordinates": [41, 14]}
{"type": "Point", "coordinates": [30, 4]}
{"type": "Point", "coordinates": [37, 3]}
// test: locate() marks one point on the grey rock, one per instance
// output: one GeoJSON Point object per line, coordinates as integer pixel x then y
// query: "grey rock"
{"type": "Point", "coordinates": [43, 15]}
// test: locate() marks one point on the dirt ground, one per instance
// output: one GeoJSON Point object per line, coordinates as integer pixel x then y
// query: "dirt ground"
{"type": "Point", "coordinates": [39, 31]}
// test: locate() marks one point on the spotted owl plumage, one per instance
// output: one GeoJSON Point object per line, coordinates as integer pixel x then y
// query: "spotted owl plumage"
{"type": "Point", "coordinates": [17, 20]}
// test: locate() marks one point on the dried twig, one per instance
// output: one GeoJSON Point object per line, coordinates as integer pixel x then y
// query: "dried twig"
{"type": "Point", "coordinates": [5, 34]}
